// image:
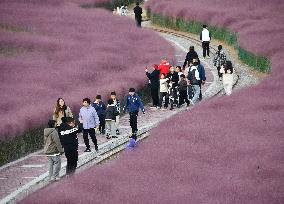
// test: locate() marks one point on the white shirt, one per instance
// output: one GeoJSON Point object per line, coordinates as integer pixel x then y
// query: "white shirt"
{"type": "Point", "coordinates": [205, 35]}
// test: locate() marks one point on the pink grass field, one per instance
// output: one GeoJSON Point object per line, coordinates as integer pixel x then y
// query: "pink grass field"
{"type": "Point", "coordinates": [228, 150]}
{"type": "Point", "coordinates": [62, 50]}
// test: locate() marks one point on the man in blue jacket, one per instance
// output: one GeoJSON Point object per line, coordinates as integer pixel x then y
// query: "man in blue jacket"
{"type": "Point", "coordinates": [202, 75]}
{"type": "Point", "coordinates": [133, 103]}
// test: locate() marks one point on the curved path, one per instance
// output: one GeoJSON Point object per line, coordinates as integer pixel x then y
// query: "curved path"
{"type": "Point", "coordinates": [19, 178]}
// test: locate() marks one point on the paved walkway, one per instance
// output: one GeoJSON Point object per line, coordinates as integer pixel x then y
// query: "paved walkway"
{"type": "Point", "coordinates": [29, 173]}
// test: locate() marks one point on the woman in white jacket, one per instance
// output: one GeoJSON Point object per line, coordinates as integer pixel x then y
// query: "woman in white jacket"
{"type": "Point", "coordinates": [164, 91]}
{"type": "Point", "coordinates": [228, 79]}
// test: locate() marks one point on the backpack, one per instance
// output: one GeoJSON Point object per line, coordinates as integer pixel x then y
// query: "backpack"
{"type": "Point", "coordinates": [193, 79]}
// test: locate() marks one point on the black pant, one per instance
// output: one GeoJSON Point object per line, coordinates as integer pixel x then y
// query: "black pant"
{"type": "Point", "coordinates": [219, 74]}
{"type": "Point", "coordinates": [189, 91]}
{"type": "Point", "coordinates": [92, 133]}
{"type": "Point", "coordinates": [205, 46]}
{"type": "Point", "coordinates": [138, 22]}
{"type": "Point", "coordinates": [173, 96]}
{"type": "Point", "coordinates": [133, 121]}
{"type": "Point", "coordinates": [162, 95]}
{"type": "Point", "coordinates": [183, 97]}
{"type": "Point", "coordinates": [72, 159]}
{"type": "Point", "coordinates": [102, 125]}
{"type": "Point", "coordinates": [155, 96]}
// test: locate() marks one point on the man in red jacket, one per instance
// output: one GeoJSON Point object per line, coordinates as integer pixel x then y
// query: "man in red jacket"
{"type": "Point", "coordinates": [164, 67]}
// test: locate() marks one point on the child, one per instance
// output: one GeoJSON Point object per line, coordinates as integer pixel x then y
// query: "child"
{"type": "Point", "coordinates": [183, 91]}
{"type": "Point", "coordinates": [53, 150]}
{"type": "Point", "coordinates": [69, 140]}
{"type": "Point", "coordinates": [178, 70]}
{"type": "Point", "coordinates": [173, 89]}
{"type": "Point", "coordinates": [100, 108]}
{"type": "Point", "coordinates": [111, 113]}
{"type": "Point", "coordinates": [164, 91]}
{"type": "Point", "coordinates": [117, 105]}
{"type": "Point", "coordinates": [133, 103]}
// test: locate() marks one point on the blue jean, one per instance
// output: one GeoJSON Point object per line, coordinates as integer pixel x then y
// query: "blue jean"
{"type": "Point", "coordinates": [196, 91]}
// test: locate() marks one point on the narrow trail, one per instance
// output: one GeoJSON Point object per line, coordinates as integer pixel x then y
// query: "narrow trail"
{"type": "Point", "coordinates": [24, 176]}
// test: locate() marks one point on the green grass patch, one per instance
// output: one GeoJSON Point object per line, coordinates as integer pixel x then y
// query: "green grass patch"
{"type": "Point", "coordinates": [21, 145]}
{"type": "Point", "coordinates": [259, 63]}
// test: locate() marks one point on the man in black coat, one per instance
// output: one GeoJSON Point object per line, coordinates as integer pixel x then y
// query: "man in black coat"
{"type": "Point", "coordinates": [174, 79]}
{"type": "Point", "coordinates": [138, 14]}
{"type": "Point", "coordinates": [69, 141]}
{"type": "Point", "coordinates": [154, 78]}
{"type": "Point", "coordinates": [192, 54]}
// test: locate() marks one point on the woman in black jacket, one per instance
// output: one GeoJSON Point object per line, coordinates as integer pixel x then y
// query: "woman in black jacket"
{"type": "Point", "coordinates": [154, 78]}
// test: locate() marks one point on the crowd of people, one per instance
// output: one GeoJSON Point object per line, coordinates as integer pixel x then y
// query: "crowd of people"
{"type": "Point", "coordinates": [170, 87]}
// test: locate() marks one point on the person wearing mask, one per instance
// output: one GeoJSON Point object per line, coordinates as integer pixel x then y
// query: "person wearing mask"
{"type": "Point", "coordinates": [192, 54]}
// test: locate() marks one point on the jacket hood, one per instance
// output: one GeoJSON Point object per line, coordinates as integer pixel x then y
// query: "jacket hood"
{"type": "Point", "coordinates": [48, 131]}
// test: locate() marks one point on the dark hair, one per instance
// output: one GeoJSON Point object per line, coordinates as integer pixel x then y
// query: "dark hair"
{"type": "Point", "coordinates": [87, 100]}
{"type": "Point", "coordinates": [98, 97]}
{"type": "Point", "coordinates": [110, 101]}
{"type": "Point", "coordinates": [131, 90]}
{"type": "Point", "coordinates": [162, 74]}
{"type": "Point", "coordinates": [191, 48]}
{"type": "Point", "coordinates": [137, 3]}
{"type": "Point", "coordinates": [51, 123]}
{"type": "Point", "coordinates": [182, 75]}
{"type": "Point", "coordinates": [113, 93]}
{"type": "Point", "coordinates": [68, 120]}
{"type": "Point", "coordinates": [179, 67]}
{"type": "Point", "coordinates": [228, 66]}
{"type": "Point", "coordinates": [204, 26]}
{"type": "Point", "coordinates": [220, 47]}
{"type": "Point", "coordinates": [59, 108]}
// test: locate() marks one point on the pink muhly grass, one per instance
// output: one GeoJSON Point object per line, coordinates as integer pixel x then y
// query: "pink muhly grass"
{"type": "Point", "coordinates": [70, 52]}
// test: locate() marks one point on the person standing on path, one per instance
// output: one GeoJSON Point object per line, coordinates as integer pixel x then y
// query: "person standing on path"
{"type": "Point", "coordinates": [69, 141]}
{"type": "Point", "coordinates": [138, 14]}
{"type": "Point", "coordinates": [133, 103]}
{"type": "Point", "coordinates": [111, 113]}
{"type": "Point", "coordinates": [164, 91]}
{"type": "Point", "coordinates": [100, 108]}
{"type": "Point", "coordinates": [116, 102]}
{"type": "Point", "coordinates": [195, 81]}
{"type": "Point", "coordinates": [61, 110]}
{"type": "Point", "coordinates": [219, 60]}
{"type": "Point", "coordinates": [164, 67]}
{"type": "Point", "coordinates": [173, 82]}
{"type": "Point", "coordinates": [205, 37]}
{"type": "Point", "coordinates": [53, 150]}
{"type": "Point", "coordinates": [192, 54]}
{"type": "Point", "coordinates": [154, 78]}
{"type": "Point", "coordinates": [228, 79]}
{"type": "Point", "coordinates": [183, 97]}
{"type": "Point", "coordinates": [202, 75]}
{"type": "Point", "coordinates": [89, 117]}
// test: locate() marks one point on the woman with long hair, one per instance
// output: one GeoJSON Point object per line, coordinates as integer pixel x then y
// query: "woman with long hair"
{"type": "Point", "coordinates": [61, 111]}
{"type": "Point", "coordinates": [227, 71]}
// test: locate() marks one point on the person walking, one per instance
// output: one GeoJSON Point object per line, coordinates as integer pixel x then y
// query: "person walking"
{"type": "Point", "coordinates": [116, 102]}
{"type": "Point", "coordinates": [111, 113]}
{"type": "Point", "coordinates": [89, 117]}
{"type": "Point", "coordinates": [227, 70]}
{"type": "Point", "coordinates": [154, 78]}
{"type": "Point", "coordinates": [202, 75]}
{"type": "Point", "coordinates": [219, 60]}
{"type": "Point", "coordinates": [138, 14]}
{"type": "Point", "coordinates": [183, 97]}
{"type": "Point", "coordinates": [68, 137]}
{"type": "Point", "coordinates": [100, 109]}
{"type": "Point", "coordinates": [133, 103]}
{"type": "Point", "coordinates": [194, 80]}
{"type": "Point", "coordinates": [61, 110]}
{"type": "Point", "coordinates": [192, 54]}
{"type": "Point", "coordinates": [164, 91]}
{"type": "Point", "coordinates": [53, 149]}
{"type": "Point", "coordinates": [205, 37]}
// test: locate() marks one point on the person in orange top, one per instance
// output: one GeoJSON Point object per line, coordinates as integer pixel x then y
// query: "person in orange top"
{"type": "Point", "coordinates": [164, 67]}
